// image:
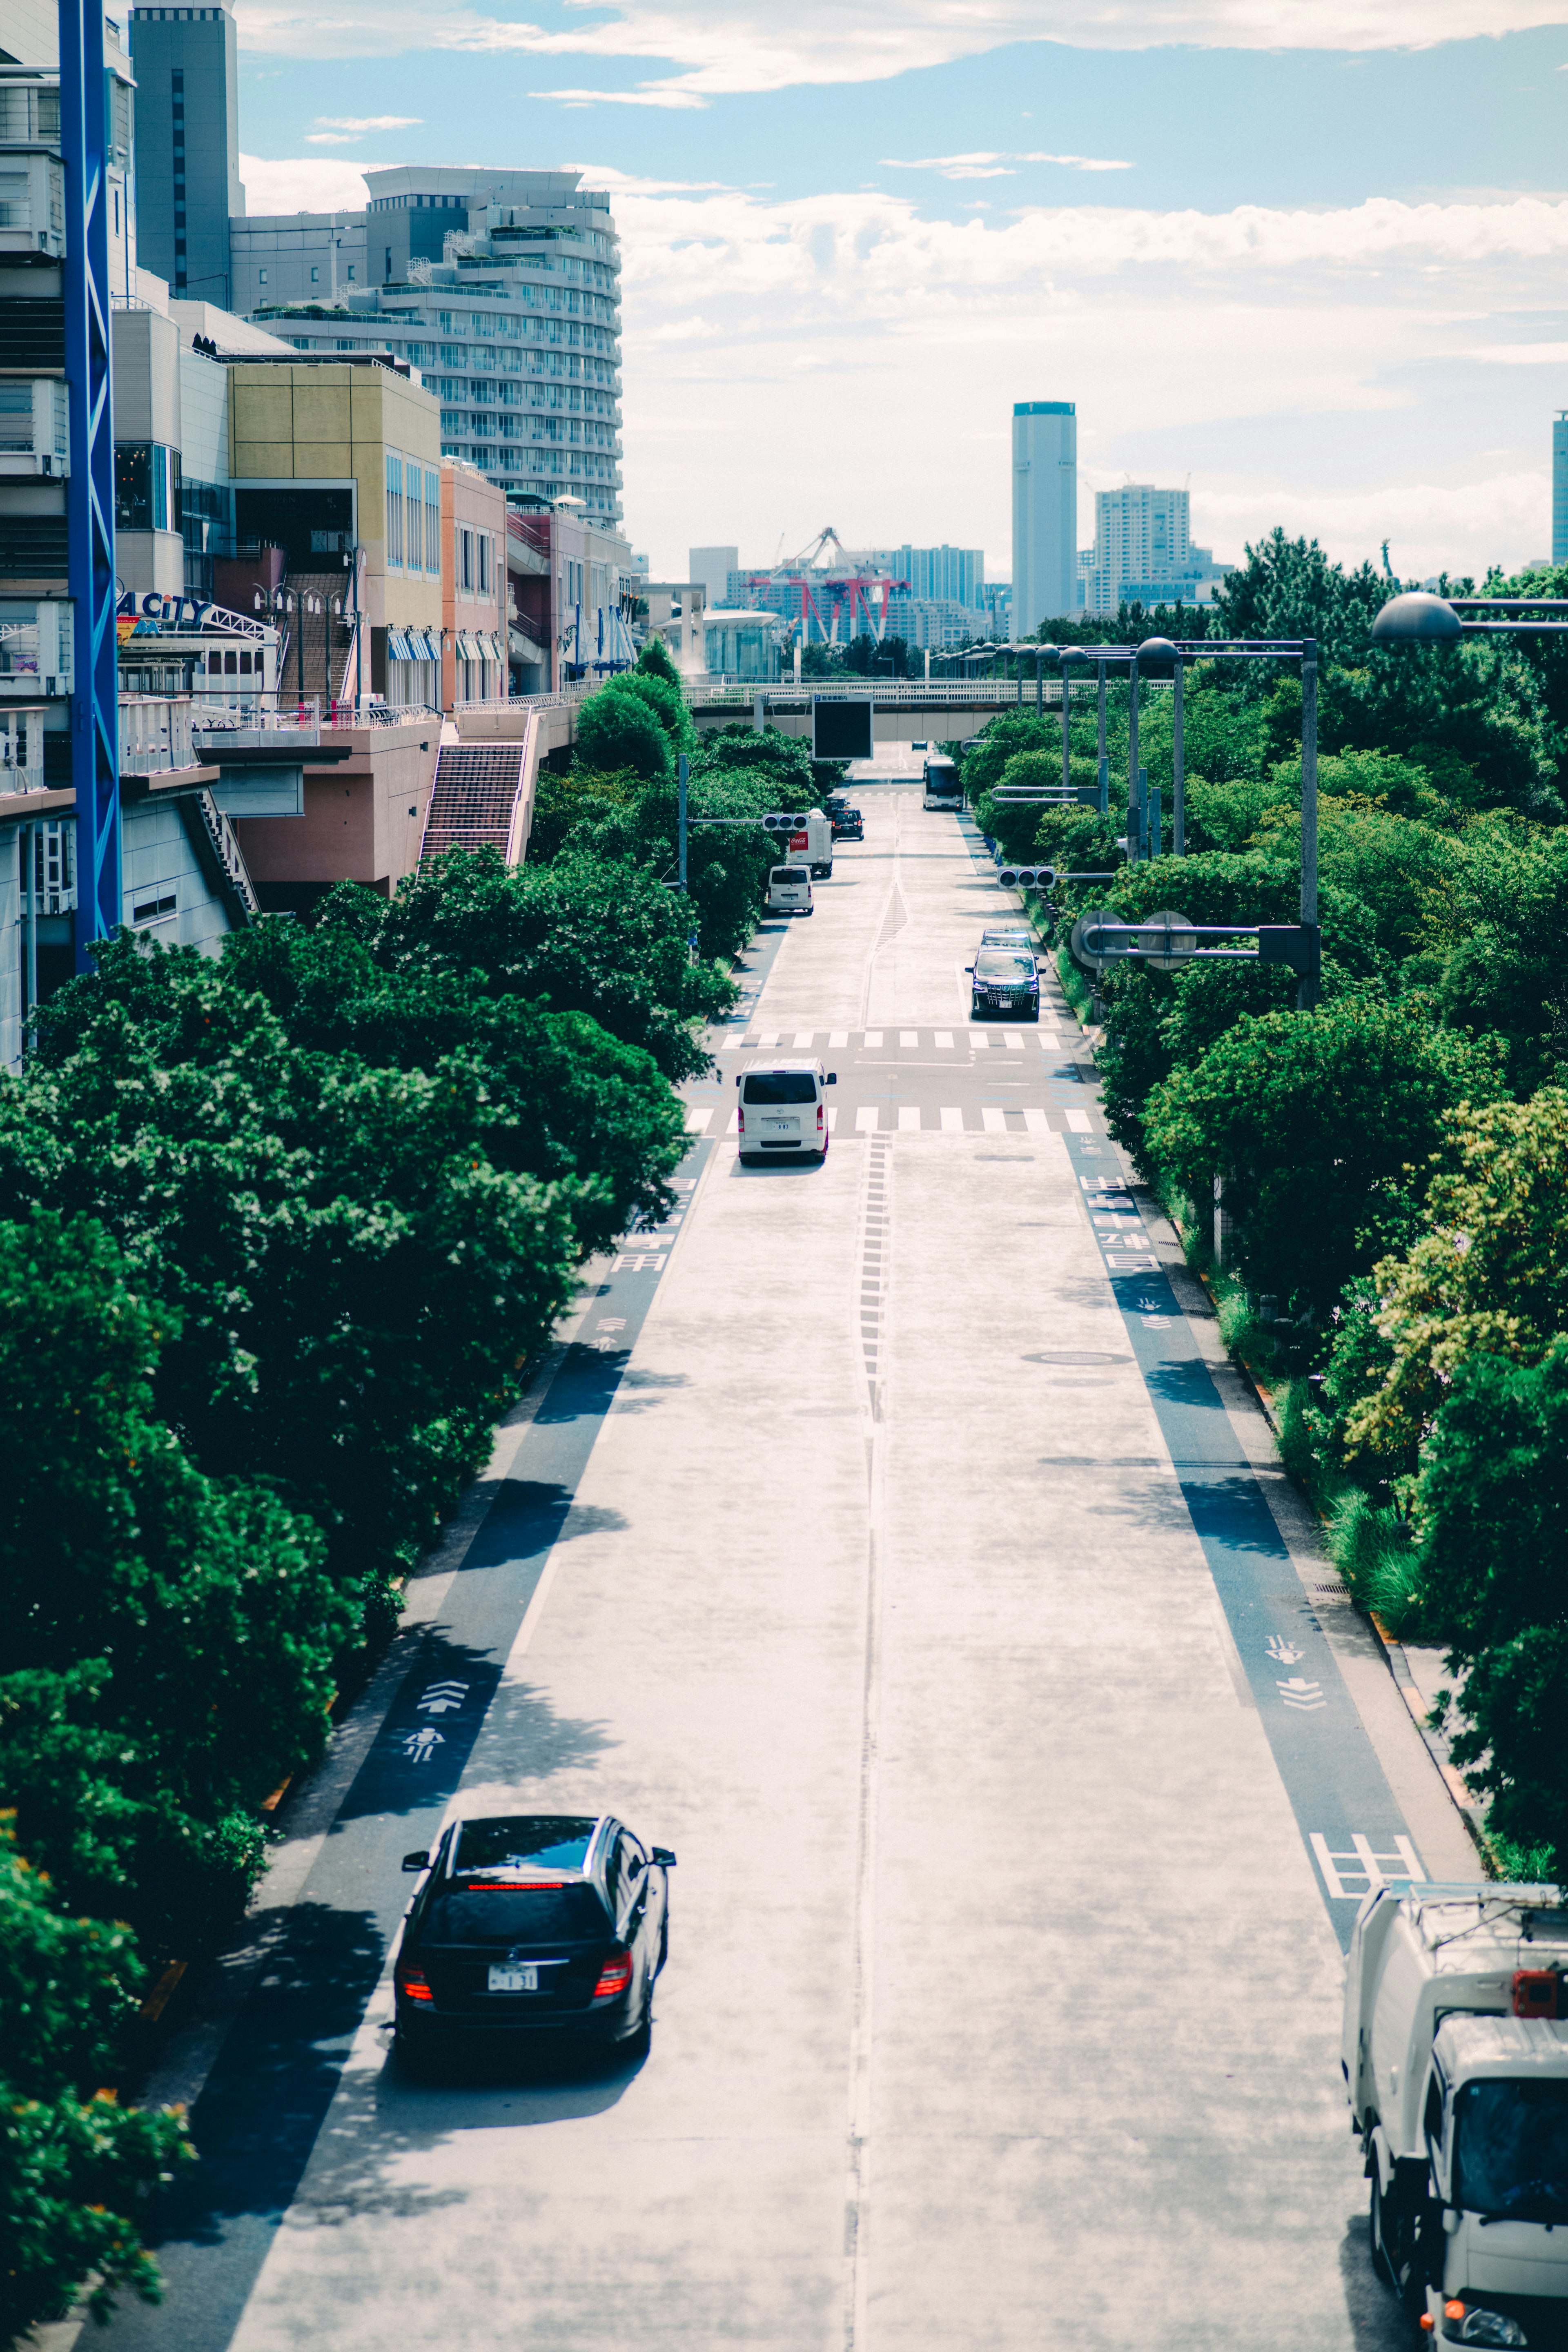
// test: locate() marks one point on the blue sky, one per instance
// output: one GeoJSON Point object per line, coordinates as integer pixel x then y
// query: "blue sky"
{"type": "Point", "coordinates": [1326, 282]}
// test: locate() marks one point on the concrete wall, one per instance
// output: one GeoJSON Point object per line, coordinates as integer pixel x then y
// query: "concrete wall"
{"type": "Point", "coordinates": [469, 501]}
{"type": "Point", "coordinates": [363, 822]}
{"type": "Point", "coordinates": [161, 861]}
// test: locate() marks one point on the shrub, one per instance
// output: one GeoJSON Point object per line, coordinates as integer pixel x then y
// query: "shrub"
{"type": "Point", "coordinates": [618, 728]}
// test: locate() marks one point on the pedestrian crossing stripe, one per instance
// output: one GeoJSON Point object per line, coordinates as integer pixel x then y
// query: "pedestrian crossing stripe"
{"type": "Point", "coordinates": [1047, 1038]}
{"type": "Point", "coordinates": [914, 1118]}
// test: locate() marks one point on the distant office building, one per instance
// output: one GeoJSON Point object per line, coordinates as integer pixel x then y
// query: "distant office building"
{"type": "Point", "coordinates": [1044, 512]}
{"type": "Point", "coordinates": [1143, 551]}
{"type": "Point", "coordinates": [187, 146]}
{"type": "Point", "coordinates": [712, 566]}
{"type": "Point", "coordinates": [1560, 488]}
{"type": "Point", "coordinates": [937, 575]}
{"type": "Point", "coordinates": [932, 623]}
{"type": "Point", "coordinates": [502, 287]}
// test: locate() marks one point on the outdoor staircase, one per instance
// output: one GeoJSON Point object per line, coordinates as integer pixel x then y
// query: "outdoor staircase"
{"type": "Point", "coordinates": [474, 799]}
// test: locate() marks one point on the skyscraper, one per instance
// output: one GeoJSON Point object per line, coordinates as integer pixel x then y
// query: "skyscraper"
{"type": "Point", "coordinates": [187, 147]}
{"type": "Point", "coordinates": [1560, 488]}
{"type": "Point", "coordinates": [1044, 512]}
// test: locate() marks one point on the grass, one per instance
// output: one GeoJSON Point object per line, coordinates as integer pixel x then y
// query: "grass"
{"type": "Point", "coordinates": [1074, 986]}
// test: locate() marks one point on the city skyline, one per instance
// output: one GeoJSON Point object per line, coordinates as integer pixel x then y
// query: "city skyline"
{"type": "Point", "coordinates": [859, 266]}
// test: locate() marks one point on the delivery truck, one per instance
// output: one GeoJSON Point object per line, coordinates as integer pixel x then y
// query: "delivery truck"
{"type": "Point", "coordinates": [1456, 2063]}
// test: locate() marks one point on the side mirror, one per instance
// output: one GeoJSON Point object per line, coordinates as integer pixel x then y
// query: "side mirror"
{"type": "Point", "coordinates": [969, 967]}
{"type": "Point", "coordinates": [737, 1077]}
{"type": "Point", "coordinates": [832, 1078]}
{"type": "Point", "coordinates": [420, 1861]}
{"type": "Point", "coordinates": [663, 1858]}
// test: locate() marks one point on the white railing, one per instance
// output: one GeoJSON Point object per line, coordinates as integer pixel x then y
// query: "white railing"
{"type": "Point", "coordinates": [21, 751]}
{"type": "Point", "coordinates": [227, 851]}
{"type": "Point", "coordinates": [230, 714]}
{"type": "Point", "coordinates": [154, 735]}
{"type": "Point", "coordinates": [712, 688]}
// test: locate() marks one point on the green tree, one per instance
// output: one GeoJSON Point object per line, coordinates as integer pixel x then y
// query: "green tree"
{"type": "Point", "coordinates": [656, 661]}
{"type": "Point", "coordinates": [1322, 1127]}
{"type": "Point", "coordinates": [618, 729]}
{"type": "Point", "coordinates": [561, 803]}
{"type": "Point", "coordinates": [75, 2167]}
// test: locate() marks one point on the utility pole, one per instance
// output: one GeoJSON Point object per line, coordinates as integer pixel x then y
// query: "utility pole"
{"type": "Point", "coordinates": [1307, 994]}
{"type": "Point", "coordinates": [1178, 773]}
{"type": "Point", "coordinates": [684, 771]}
{"type": "Point", "coordinates": [1101, 754]}
{"type": "Point", "coordinates": [1134, 777]}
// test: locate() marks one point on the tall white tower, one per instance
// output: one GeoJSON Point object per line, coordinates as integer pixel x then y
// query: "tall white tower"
{"type": "Point", "coordinates": [1044, 512]}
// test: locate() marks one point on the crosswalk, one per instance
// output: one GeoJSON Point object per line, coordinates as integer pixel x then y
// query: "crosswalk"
{"type": "Point", "coordinates": [912, 1118]}
{"type": "Point", "coordinates": [1047, 1038]}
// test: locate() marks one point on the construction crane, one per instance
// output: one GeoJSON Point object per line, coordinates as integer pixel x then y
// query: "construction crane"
{"type": "Point", "coordinates": [846, 588]}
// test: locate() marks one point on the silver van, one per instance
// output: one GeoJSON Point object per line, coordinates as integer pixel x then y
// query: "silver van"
{"type": "Point", "coordinates": [789, 890]}
{"type": "Point", "coordinates": [783, 1109]}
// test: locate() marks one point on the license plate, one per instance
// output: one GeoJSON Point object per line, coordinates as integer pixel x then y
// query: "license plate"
{"type": "Point", "coordinates": [781, 1127]}
{"type": "Point", "coordinates": [514, 1979]}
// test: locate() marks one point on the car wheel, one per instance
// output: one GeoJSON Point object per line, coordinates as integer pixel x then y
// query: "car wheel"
{"type": "Point", "coordinates": [639, 2042]}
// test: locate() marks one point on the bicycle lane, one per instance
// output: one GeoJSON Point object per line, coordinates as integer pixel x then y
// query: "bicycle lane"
{"type": "Point", "coordinates": [1350, 1823]}
{"type": "Point", "coordinates": [257, 2117]}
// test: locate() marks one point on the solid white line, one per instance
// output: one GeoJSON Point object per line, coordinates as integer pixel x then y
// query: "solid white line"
{"type": "Point", "coordinates": [866, 1119]}
{"type": "Point", "coordinates": [1078, 1122]}
{"type": "Point", "coordinates": [952, 1122]}
{"type": "Point", "coordinates": [996, 1120]}
{"type": "Point", "coordinates": [1037, 1122]}
{"type": "Point", "coordinates": [909, 1119]}
{"type": "Point", "coordinates": [944, 1037]}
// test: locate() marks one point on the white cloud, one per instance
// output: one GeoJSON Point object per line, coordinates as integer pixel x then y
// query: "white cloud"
{"type": "Point", "coordinates": [304, 184]}
{"type": "Point", "coordinates": [983, 165]}
{"type": "Point", "coordinates": [1521, 354]}
{"type": "Point", "coordinates": [717, 47]}
{"type": "Point", "coordinates": [1305, 366]}
{"type": "Point", "coordinates": [663, 94]}
{"type": "Point", "coordinates": [356, 125]}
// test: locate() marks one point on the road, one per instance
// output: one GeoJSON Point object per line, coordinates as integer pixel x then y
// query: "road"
{"type": "Point", "coordinates": [892, 1541]}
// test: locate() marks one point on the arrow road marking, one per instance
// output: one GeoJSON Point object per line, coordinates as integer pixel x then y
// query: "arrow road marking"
{"type": "Point", "coordinates": [1301, 1694]}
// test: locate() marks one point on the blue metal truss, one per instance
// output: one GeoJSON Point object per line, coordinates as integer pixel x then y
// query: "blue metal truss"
{"type": "Point", "coordinates": [89, 495]}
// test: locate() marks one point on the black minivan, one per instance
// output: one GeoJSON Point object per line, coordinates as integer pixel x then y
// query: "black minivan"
{"type": "Point", "coordinates": [533, 1923]}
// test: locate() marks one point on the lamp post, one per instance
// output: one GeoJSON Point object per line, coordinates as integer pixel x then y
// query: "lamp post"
{"type": "Point", "coordinates": [1417, 618]}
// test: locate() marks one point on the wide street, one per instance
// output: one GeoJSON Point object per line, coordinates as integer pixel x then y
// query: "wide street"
{"type": "Point", "coordinates": [893, 1542]}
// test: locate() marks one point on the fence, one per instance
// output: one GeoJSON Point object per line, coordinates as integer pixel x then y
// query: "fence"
{"type": "Point", "coordinates": [154, 735]}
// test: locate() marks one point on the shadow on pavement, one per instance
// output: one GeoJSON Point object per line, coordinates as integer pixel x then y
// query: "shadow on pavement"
{"type": "Point", "coordinates": [1378, 2324]}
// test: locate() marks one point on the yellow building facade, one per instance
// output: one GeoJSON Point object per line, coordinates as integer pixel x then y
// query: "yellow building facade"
{"type": "Point", "coordinates": [340, 462]}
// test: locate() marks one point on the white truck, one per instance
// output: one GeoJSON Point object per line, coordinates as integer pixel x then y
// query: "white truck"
{"type": "Point", "coordinates": [1456, 2062]}
{"type": "Point", "coordinates": [812, 844]}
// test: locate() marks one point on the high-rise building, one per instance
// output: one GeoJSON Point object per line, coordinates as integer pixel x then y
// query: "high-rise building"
{"type": "Point", "coordinates": [937, 575]}
{"type": "Point", "coordinates": [1144, 551]}
{"type": "Point", "coordinates": [1044, 512]}
{"type": "Point", "coordinates": [712, 566]}
{"type": "Point", "coordinates": [187, 147]}
{"type": "Point", "coordinates": [502, 287]}
{"type": "Point", "coordinates": [1560, 488]}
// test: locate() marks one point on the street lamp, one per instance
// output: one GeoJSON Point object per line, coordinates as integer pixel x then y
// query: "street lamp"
{"type": "Point", "coordinates": [1419, 618]}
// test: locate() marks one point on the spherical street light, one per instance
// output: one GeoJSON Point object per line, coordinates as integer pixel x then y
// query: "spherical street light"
{"type": "Point", "coordinates": [1416, 618]}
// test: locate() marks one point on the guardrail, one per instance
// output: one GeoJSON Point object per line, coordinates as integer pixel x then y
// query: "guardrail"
{"type": "Point", "coordinates": [154, 735]}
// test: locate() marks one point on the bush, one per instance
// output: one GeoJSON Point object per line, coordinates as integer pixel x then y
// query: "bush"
{"type": "Point", "coordinates": [618, 728]}
{"type": "Point", "coordinates": [1322, 1128]}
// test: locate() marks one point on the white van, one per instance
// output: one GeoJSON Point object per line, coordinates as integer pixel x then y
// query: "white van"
{"type": "Point", "coordinates": [789, 890]}
{"type": "Point", "coordinates": [782, 1109]}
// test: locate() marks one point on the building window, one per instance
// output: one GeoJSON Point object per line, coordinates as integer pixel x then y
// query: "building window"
{"type": "Point", "coordinates": [394, 512]}
{"type": "Point", "coordinates": [486, 587]}
{"type": "Point", "coordinates": [261, 277]}
{"type": "Point", "coordinates": [466, 562]}
{"type": "Point", "coordinates": [351, 273]}
{"type": "Point", "coordinates": [411, 556]}
{"type": "Point", "coordinates": [315, 276]}
{"type": "Point", "coordinates": [432, 521]}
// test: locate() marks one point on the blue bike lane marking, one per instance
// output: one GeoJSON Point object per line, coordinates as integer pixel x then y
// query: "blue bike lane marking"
{"type": "Point", "coordinates": [1350, 1822]}
{"type": "Point", "coordinates": [269, 2090]}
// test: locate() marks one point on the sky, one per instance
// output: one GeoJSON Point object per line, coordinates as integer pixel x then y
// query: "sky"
{"type": "Point", "coordinates": [1306, 257]}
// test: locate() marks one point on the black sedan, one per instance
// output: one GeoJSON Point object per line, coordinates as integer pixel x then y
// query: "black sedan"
{"type": "Point", "coordinates": [848, 824]}
{"type": "Point", "coordinates": [533, 1923]}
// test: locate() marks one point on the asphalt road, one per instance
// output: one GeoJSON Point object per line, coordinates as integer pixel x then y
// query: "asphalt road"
{"type": "Point", "coordinates": [892, 1540]}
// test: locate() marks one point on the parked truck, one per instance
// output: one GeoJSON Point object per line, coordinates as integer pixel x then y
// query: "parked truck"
{"type": "Point", "coordinates": [1456, 2060]}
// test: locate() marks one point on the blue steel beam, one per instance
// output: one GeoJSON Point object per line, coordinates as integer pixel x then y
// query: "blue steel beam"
{"type": "Point", "coordinates": [89, 492]}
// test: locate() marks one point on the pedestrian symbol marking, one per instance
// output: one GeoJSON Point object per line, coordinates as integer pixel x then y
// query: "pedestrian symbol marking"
{"type": "Point", "coordinates": [1283, 1652]}
{"type": "Point", "coordinates": [1350, 1878]}
{"type": "Point", "coordinates": [421, 1744]}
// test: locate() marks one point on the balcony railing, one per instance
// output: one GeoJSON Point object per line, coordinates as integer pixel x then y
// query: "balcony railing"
{"type": "Point", "coordinates": [154, 735]}
{"type": "Point", "coordinates": [21, 750]}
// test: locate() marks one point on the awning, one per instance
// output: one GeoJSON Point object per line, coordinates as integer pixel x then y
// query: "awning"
{"type": "Point", "coordinates": [467, 649]}
{"type": "Point", "coordinates": [398, 647]}
{"type": "Point", "coordinates": [492, 649]}
{"type": "Point", "coordinates": [428, 649]}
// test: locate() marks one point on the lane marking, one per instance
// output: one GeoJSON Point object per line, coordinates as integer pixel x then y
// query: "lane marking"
{"type": "Point", "coordinates": [804, 1036]}
{"type": "Point", "coordinates": [944, 1038]}
{"type": "Point", "coordinates": [838, 1037]}
{"type": "Point", "coordinates": [996, 1120]}
{"type": "Point", "coordinates": [1013, 1040]}
{"type": "Point", "coordinates": [872, 1037]}
{"type": "Point", "coordinates": [909, 1036]}
{"type": "Point", "coordinates": [1036, 1121]}
{"type": "Point", "coordinates": [696, 1121]}
{"type": "Point", "coordinates": [1077, 1120]}
{"type": "Point", "coordinates": [952, 1122]}
{"type": "Point", "coordinates": [866, 1119]}
{"type": "Point", "coordinates": [909, 1119]}
{"type": "Point", "coordinates": [833, 1119]}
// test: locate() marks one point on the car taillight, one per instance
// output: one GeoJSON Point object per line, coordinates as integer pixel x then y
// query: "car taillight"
{"type": "Point", "coordinates": [741, 1117]}
{"type": "Point", "coordinates": [819, 1114]}
{"type": "Point", "coordinates": [415, 1985]}
{"type": "Point", "coordinates": [613, 1977]}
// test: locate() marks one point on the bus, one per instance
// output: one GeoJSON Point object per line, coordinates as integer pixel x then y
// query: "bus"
{"type": "Point", "coordinates": [942, 788]}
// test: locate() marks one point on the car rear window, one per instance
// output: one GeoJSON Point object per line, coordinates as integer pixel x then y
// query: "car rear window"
{"type": "Point", "coordinates": [791, 874]}
{"type": "Point", "coordinates": [480, 1911]}
{"type": "Point", "coordinates": [779, 1087]}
